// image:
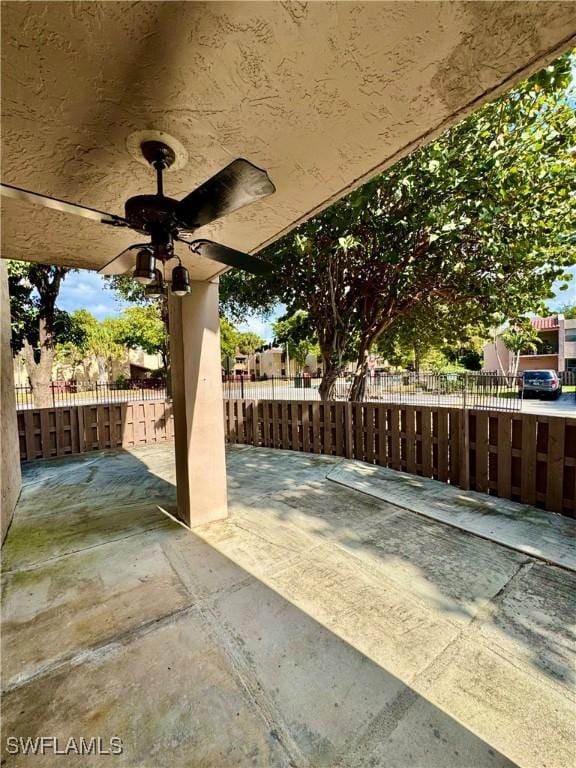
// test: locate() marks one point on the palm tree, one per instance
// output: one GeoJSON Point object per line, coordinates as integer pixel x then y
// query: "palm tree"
{"type": "Point", "coordinates": [520, 338]}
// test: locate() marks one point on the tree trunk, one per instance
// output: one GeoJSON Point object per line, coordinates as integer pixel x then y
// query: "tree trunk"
{"type": "Point", "coordinates": [327, 388]}
{"type": "Point", "coordinates": [101, 363]}
{"type": "Point", "coordinates": [40, 374]}
{"type": "Point", "coordinates": [358, 388]}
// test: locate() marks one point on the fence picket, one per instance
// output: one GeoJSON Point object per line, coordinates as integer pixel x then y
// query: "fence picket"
{"type": "Point", "coordinates": [382, 436]}
{"type": "Point", "coordinates": [555, 473]}
{"type": "Point", "coordinates": [481, 473]}
{"type": "Point", "coordinates": [316, 436]}
{"type": "Point", "coordinates": [285, 436]}
{"type": "Point", "coordinates": [528, 459]}
{"type": "Point", "coordinates": [410, 431]}
{"type": "Point", "coordinates": [426, 442]}
{"type": "Point", "coordinates": [372, 432]}
{"type": "Point", "coordinates": [395, 433]}
{"type": "Point", "coordinates": [443, 445]}
{"type": "Point", "coordinates": [348, 434]}
{"type": "Point", "coordinates": [504, 483]}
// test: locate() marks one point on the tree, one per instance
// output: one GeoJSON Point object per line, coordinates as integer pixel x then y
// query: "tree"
{"type": "Point", "coordinates": [432, 335]}
{"type": "Point", "coordinates": [37, 324]}
{"type": "Point", "coordinates": [133, 291]}
{"type": "Point", "coordinates": [520, 337]}
{"type": "Point", "coordinates": [479, 219]}
{"type": "Point", "coordinates": [228, 343]}
{"type": "Point", "coordinates": [73, 350]}
{"type": "Point", "coordinates": [568, 310]}
{"type": "Point", "coordinates": [247, 343]}
{"type": "Point", "coordinates": [294, 333]}
{"type": "Point", "coordinates": [142, 327]}
{"type": "Point", "coordinates": [100, 340]}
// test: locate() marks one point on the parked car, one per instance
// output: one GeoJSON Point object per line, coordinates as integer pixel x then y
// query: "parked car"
{"type": "Point", "coordinates": [541, 384]}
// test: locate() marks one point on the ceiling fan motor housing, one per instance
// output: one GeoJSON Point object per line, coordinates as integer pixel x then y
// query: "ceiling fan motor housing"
{"type": "Point", "coordinates": [146, 212]}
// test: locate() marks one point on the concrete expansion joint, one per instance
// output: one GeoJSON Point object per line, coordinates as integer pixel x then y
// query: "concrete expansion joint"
{"type": "Point", "coordinates": [102, 650]}
{"type": "Point", "coordinates": [377, 730]}
{"type": "Point", "coordinates": [427, 677]}
{"type": "Point", "coordinates": [247, 679]}
{"type": "Point", "coordinates": [41, 563]}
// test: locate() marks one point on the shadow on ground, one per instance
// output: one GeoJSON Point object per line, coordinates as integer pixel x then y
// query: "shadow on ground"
{"type": "Point", "coordinates": [315, 626]}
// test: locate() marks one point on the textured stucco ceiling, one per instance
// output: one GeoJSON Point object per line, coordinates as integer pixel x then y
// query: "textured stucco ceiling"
{"type": "Point", "coordinates": [322, 95]}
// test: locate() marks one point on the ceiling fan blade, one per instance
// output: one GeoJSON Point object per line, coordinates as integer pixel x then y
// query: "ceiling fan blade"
{"type": "Point", "coordinates": [124, 262]}
{"type": "Point", "coordinates": [61, 205]}
{"type": "Point", "coordinates": [229, 256]}
{"type": "Point", "coordinates": [235, 186]}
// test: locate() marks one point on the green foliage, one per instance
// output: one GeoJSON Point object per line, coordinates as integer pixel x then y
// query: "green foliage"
{"type": "Point", "coordinates": [228, 339]}
{"type": "Point", "coordinates": [296, 333]}
{"type": "Point", "coordinates": [36, 319]}
{"type": "Point", "coordinates": [521, 337]}
{"type": "Point", "coordinates": [568, 310]}
{"type": "Point", "coordinates": [108, 340]}
{"type": "Point", "coordinates": [248, 342]}
{"type": "Point", "coordinates": [480, 220]}
{"type": "Point", "coordinates": [128, 289]}
{"type": "Point", "coordinates": [471, 359]}
{"type": "Point", "coordinates": [101, 339]}
{"type": "Point", "coordinates": [143, 327]}
{"type": "Point", "coordinates": [432, 336]}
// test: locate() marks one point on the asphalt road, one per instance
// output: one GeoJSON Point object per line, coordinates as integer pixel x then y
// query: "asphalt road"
{"type": "Point", "coordinates": [565, 406]}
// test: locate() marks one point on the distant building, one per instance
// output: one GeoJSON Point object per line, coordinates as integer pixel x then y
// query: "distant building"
{"type": "Point", "coordinates": [275, 362]}
{"type": "Point", "coordinates": [135, 364]}
{"type": "Point", "coordinates": [556, 348]}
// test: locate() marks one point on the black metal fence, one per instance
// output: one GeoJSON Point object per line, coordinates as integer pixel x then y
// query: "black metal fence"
{"type": "Point", "coordinates": [568, 378]}
{"type": "Point", "coordinates": [66, 393]}
{"type": "Point", "coordinates": [466, 390]}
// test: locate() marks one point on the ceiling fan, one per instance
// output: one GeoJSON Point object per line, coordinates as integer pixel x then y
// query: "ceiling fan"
{"type": "Point", "coordinates": [165, 220]}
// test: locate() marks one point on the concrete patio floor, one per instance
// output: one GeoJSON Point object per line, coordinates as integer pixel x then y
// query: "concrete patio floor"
{"type": "Point", "coordinates": [318, 626]}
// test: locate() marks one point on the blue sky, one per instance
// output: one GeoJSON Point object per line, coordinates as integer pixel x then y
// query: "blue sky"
{"type": "Point", "coordinates": [88, 290]}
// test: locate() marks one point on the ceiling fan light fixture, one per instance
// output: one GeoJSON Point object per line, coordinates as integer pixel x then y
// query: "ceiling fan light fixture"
{"type": "Point", "coordinates": [145, 271]}
{"type": "Point", "coordinates": [180, 281]}
{"type": "Point", "coordinates": [155, 289]}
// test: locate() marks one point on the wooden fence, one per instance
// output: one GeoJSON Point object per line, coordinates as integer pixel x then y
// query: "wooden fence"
{"type": "Point", "coordinates": [524, 457]}
{"type": "Point", "coordinates": [48, 432]}
{"type": "Point", "coordinates": [568, 378]}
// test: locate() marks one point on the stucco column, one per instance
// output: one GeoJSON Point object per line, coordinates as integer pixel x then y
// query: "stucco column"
{"type": "Point", "coordinates": [10, 478]}
{"type": "Point", "coordinates": [197, 405]}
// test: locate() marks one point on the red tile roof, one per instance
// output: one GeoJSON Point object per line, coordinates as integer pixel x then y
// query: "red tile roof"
{"type": "Point", "coordinates": [545, 323]}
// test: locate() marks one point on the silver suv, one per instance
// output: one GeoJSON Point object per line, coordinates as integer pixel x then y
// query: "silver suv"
{"type": "Point", "coordinates": [541, 384]}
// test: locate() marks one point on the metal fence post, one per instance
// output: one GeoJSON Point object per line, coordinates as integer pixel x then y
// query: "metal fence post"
{"type": "Point", "coordinates": [242, 387]}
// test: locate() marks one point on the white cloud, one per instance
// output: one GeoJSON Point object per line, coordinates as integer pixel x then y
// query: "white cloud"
{"type": "Point", "coordinates": [88, 290]}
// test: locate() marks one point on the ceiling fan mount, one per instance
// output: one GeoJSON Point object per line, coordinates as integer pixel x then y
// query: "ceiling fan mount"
{"type": "Point", "coordinates": [145, 213]}
{"type": "Point", "coordinates": [166, 220]}
{"type": "Point", "coordinates": [157, 153]}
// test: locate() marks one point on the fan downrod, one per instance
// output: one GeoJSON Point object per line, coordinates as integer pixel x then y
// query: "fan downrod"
{"type": "Point", "coordinates": [158, 154]}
